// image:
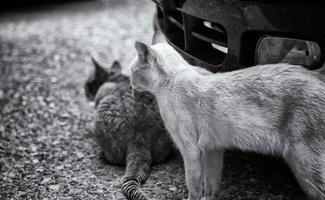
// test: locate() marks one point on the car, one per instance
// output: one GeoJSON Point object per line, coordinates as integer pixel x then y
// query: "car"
{"type": "Point", "coordinates": [225, 35]}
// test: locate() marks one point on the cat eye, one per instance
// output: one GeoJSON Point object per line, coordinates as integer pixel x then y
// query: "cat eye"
{"type": "Point", "coordinates": [271, 50]}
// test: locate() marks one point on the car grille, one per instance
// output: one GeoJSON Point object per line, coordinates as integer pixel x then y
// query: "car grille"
{"type": "Point", "coordinates": [203, 40]}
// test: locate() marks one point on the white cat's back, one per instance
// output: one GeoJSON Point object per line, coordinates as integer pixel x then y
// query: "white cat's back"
{"type": "Point", "coordinates": [251, 105]}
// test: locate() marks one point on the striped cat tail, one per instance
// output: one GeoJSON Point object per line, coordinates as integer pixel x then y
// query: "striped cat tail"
{"type": "Point", "coordinates": [137, 171]}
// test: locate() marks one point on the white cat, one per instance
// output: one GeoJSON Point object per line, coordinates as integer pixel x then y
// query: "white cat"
{"type": "Point", "coordinates": [273, 109]}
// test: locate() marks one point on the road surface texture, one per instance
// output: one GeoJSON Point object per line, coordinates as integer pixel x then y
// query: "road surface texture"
{"type": "Point", "coordinates": [47, 149]}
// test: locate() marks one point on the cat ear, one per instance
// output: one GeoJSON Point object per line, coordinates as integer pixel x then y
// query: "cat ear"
{"type": "Point", "coordinates": [116, 66]}
{"type": "Point", "coordinates": [96, 78]}
{"type": "Point", "coordinates": [99, 69]}
{"type": "Point", "coordinates": [100, 73]}
{"type": "Point", "coordinates": [143, 52]}
{"type": "Point", "coordinates": [158, 37]}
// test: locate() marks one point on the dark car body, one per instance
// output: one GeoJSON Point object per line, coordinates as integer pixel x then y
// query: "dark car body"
{"type": "Point", "coordinates": [194, 27]}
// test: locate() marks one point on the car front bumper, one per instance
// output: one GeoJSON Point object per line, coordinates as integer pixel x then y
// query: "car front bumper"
{"type": "Point", "coordinates": [196, 27]}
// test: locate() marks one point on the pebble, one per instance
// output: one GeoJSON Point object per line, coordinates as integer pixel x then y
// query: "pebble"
{"type": "Point", "coordinates": [80, 155]}
{"type": "Point", "coordinates": [54, 187]}
{"type": "Point", "coordinates": [173, 189]}
{"type": "Point", "coordinates": [59, 168]}
{"type": "Point", "coordinates": [45, 180]}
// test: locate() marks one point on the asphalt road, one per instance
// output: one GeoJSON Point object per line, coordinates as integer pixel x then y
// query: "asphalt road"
{"type": "Point", "coordinates": [46, 146]}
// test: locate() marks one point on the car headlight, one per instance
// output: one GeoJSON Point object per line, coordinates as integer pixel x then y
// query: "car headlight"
{"type": "Point", "coordinates": [271, 50]}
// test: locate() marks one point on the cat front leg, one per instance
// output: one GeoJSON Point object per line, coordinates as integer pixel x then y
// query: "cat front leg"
{"type": "Point", "coordinates": [213, 163]}
{"type": "Point", "coordinates": [193, 172]}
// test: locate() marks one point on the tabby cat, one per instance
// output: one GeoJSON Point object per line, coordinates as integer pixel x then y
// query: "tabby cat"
{"type": "Point", "coordinates": [274, 109]}
{"type": "Point", "coordinates": [128, 127]}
